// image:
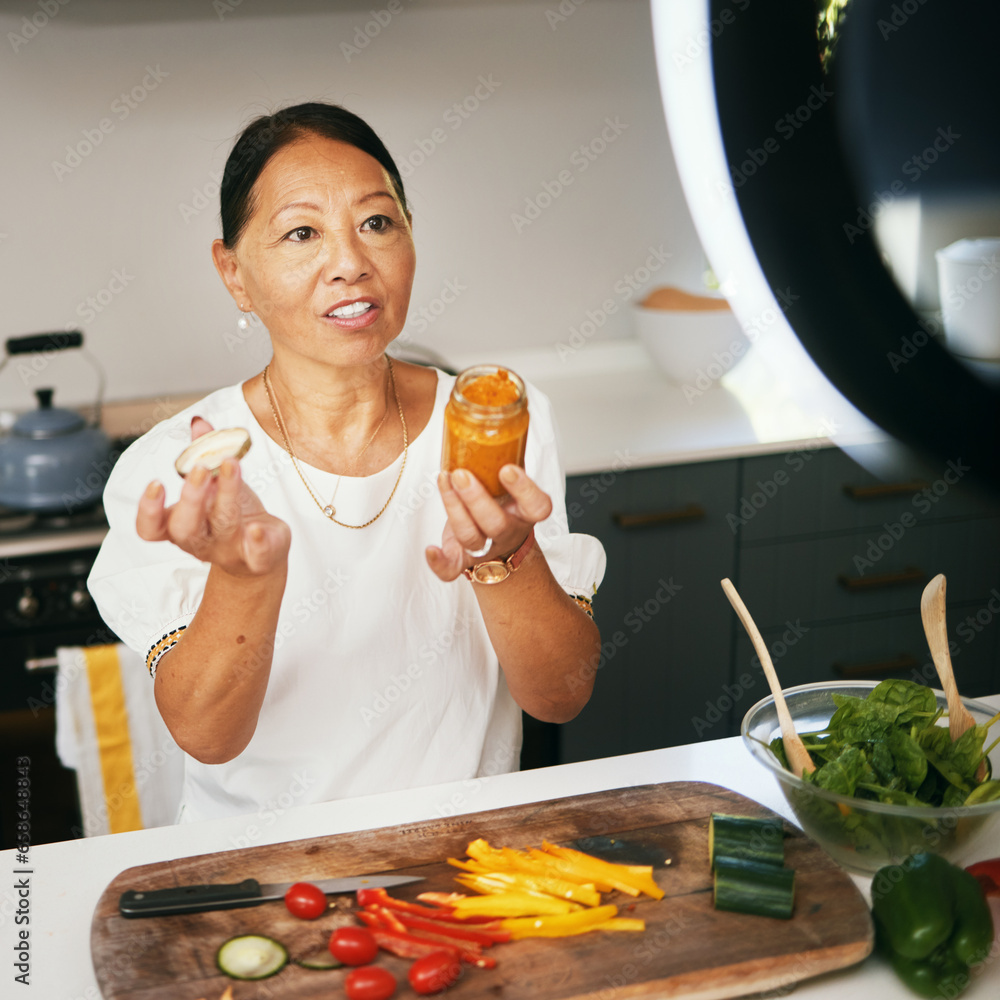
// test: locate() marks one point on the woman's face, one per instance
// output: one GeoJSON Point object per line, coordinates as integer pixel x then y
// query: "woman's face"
{"type": "Point", "coordinates": [327, 258]}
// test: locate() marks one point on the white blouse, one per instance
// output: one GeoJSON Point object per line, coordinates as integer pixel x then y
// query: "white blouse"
{"type": "Point", "coordinates": [383, 676]}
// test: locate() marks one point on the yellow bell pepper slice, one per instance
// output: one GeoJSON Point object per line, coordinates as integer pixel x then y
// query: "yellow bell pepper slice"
{"type": "Point", "coordinates": [520, 881]}
{"type": "Point", "coordinates": [631, 879]}
{"type": "Point", "coordinates": [512, 904]}
{"type": "Point", "coordinates": [561, 868]}
{"type": "Point", "coordinates": [623, 924]}
{"type": "Point", "coordinates": [507, 859]}
{"type": "Point", "coordinates": [559, 926]}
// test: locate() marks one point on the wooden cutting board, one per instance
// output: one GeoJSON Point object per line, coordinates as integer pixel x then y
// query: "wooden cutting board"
{"type": "Point", "coordinates": [688, 949]}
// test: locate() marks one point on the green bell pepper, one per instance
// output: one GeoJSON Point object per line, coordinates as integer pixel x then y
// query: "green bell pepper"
{"type": "Point", "coordinates": [933, 923]}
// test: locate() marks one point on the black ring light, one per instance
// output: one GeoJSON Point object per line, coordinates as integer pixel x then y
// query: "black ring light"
{"type": "Point", "coordinates": [848, 313]}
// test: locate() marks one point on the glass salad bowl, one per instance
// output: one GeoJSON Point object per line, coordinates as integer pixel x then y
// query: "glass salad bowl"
{"type": "Point", "coordinates": [864, 834]}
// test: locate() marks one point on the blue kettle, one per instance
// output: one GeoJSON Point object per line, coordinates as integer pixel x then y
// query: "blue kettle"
{"type": "Point", "coordinates": [53, 461]}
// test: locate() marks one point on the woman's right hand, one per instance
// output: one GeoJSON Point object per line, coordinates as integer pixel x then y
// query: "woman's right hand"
{"type": "Point", "coordinates": [217, 519]}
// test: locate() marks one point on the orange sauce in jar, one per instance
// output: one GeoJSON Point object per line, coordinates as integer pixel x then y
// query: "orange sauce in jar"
{"type": "Point", "coordinates": [485, 424]}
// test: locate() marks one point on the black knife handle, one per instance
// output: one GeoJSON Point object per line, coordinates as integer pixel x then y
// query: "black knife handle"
{"type": "Point", "coordinates": [189, 899]}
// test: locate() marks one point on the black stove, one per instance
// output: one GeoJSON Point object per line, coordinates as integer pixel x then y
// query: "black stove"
{"type": "Point", "coordinates": [44, 563]}
{"type": "Point", "coordinates": [44, 604]}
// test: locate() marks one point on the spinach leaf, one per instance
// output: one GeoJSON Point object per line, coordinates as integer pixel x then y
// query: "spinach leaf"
{"type": "Point", "coordinates": [883, 763]}
{"type": "Point", "coordinates": [937, 746]}
{"type": "Point", "coordinates": [988, 791]}
{"type": "Point", "coordinates": [858, 721]}
{"type": "Point", "coordinates": [843, 774]}
{"type": "Point", "coordinates": [909, 760]}
{"type": "Point", "coordinates": [911, 700]}
{"type": "Point", "coordinates": [777, 747]}
{"type": "Point", "coordinates": [953, 796]}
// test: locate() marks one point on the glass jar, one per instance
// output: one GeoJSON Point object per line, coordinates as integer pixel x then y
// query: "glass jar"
{"type": "Point", "coordinates": [485, 424]}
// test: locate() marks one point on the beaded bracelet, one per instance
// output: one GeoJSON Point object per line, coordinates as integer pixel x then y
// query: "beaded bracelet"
{"type": "Point", "coordinates": [584, 603]}
{"type": "Point", "coordinates": [159, 648]}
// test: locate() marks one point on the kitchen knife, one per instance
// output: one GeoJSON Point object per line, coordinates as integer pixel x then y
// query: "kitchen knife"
{"type": "Point", "coordinates": [249, 892]}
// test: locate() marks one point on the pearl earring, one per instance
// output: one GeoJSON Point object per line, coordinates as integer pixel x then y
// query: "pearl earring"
{"type": "Point", "coordinates": [244, 321]}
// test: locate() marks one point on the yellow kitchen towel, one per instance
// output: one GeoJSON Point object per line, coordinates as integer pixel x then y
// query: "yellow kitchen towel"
{"type": "Point", "coordinates": [129, 769]}
{"type": "Point", "coordinates": [114, 745]}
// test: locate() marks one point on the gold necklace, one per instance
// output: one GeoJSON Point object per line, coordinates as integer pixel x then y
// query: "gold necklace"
{"type": "Point", "coordinates": [329, 510]}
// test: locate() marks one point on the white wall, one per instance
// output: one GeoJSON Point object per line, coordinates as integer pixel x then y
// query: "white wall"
{"type": "Point", "coordinates": [142, 203]}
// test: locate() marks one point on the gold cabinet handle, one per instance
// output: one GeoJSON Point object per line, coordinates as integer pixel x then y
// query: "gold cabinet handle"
{"type": "Point", "coordinates": [880, 490]}
{"type": "Point", "coordinates": [646, 519]}
{"type": "Point", "coordinates": [895, 664]}
{"type": "Point", "coordinates": [882, 581]}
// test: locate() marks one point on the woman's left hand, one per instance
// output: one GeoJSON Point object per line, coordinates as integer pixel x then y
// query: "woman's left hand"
{"type": "Point", "coordinates": [475, 517]}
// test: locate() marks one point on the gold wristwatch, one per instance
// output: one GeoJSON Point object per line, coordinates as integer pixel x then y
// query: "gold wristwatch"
{"type": "Point", "coordinates": [497, 570]}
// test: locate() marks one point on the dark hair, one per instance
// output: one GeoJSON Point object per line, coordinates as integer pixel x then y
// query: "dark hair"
{"type": "Point", "coordinates": [268, 134]}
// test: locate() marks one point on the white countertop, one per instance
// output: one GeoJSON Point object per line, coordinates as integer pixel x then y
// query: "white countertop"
{"type": "Point", "coordinates": [615, 409]}
{"type": "Point", "coordinates": [67, 879]}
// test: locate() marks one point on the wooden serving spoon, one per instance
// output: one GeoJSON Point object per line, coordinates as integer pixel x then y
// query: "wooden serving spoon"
{"type": "Point", "coordinates": [932, 611]}
{"type": "Point", "coordinates": [798, 755]}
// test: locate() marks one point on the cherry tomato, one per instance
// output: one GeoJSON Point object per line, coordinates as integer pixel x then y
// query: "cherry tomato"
{"type": "Point", "coordinates": [306, 900]}
{"type": "Point", "coordinates": [434, 972]}
{"type": "Point", "coordinates": [370, 982]}
{"type": "Point", "coordinates": [353, 946]}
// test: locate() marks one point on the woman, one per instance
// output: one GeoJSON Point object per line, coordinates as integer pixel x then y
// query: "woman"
{"type": "Point", "coordinates": [307, 637]}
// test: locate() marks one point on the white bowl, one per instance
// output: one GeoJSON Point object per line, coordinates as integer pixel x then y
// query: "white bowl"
{"type": "Point", "coordinates": [694, 348]}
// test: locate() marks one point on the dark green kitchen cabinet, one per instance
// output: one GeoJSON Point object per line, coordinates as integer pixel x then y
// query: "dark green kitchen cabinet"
{"type": "Point", "coordinates": [665, 624]}
{"type": "Point", "coordinates": [829, 558]}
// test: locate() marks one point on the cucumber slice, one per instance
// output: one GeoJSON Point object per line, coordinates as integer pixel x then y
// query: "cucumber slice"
{"type": "Point", "coordinates": [212, 448]}
{"type": "Point", "coordinates": [748, 837]}
{"type": "Point", "coordinates": [751, 887]}
{"type": "Point", "coordinates": [251, 956]}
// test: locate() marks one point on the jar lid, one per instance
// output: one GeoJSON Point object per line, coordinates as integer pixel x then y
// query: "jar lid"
{"type": "Point", "coordinates": [47, 421]}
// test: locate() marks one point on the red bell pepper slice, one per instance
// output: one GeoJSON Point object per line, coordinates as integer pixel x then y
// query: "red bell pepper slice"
{"type": "Point", "coordinates": [416, 946]}
{"type": "Point", "coordinates": [478, 935]}
{"type": "Point", "coordinates": [406, 945]}
{"type": "Point", "coordinates": [987, 873]}
{"type": "Point", "coordinates": [379, 897]}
